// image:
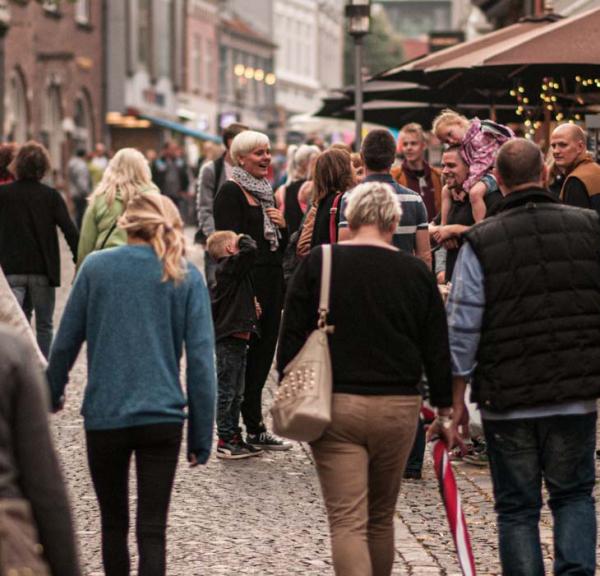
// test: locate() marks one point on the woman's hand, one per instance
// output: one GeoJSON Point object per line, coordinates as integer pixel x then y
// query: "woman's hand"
{"type": "Point", "coordinates": [276, 217]}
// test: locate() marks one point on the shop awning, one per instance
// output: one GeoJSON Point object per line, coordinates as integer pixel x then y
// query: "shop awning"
{"type": "Point", "coordinates": [181, 128]}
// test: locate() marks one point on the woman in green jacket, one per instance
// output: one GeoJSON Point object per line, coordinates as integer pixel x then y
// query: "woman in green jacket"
{"type": "Point", "coordinates": [126, 176]}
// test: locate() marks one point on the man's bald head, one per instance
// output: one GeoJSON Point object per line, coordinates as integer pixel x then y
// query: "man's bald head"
{"type": "Point", "coordinates": [568, 143]}
{"type": "Point", "coordinates": [519, 163]}
{"type": "Point", "coordinates": [572, 131]}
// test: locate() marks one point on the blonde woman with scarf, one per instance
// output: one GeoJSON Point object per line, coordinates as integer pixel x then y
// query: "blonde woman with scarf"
{"type": "Point", "coordinates": [246, 205]}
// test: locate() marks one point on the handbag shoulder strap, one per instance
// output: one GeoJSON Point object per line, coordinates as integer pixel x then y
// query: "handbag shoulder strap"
{"type": "Point", "coordinates": [111, 230]}
{"type": "Point", "coordinates": [325, 278]}
{"type": "Point", "coordinates": [333, 218]}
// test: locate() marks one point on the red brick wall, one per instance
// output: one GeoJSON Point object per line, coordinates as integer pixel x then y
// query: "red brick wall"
{"type": "Point", "coordinates": [43, 45]}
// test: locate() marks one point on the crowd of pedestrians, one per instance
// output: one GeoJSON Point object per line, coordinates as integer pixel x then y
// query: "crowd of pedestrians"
{"type": "Point", "coordinates": [519, 335]}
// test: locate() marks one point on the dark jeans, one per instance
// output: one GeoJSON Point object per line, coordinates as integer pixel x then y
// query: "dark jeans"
{"type": "Point", "coordinates": [231, 372]}
{"type": "Point", "coordinates": [34, 294]}
{"type": "Point", "coordinates": [80, 203]}
{"type": "Point", "coordinates": [156, 449]}
{"type": "Point", "coordinates": [559, 450]}
{"type": "Point", "coordinates": [268, 285]}
{"type": "Point", "coordinates": [417, 454]}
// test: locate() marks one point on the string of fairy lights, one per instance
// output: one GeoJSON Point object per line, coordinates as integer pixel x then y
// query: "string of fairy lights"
{"type": "Point", "coordinates": [551, 103]}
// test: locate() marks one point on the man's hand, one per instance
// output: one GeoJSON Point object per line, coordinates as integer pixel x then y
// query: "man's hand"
{"type": "Point", "coordinates": [445, 428]}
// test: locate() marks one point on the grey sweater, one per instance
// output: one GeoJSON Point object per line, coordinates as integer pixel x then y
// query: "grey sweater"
{"type": "Point", "coordinates": [28, 464]}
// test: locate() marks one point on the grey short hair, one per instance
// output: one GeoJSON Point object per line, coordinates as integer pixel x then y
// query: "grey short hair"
{"type": "Point", "coordinates": [304, 153]}
{"type": "Point", "coordinates": [373, 203]}
{"type": "Point", "coordinates": [245, 142]}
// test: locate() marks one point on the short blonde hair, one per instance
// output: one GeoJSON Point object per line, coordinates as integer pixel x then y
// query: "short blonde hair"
{"type": "Point", "coordinates": [446, 117]}
{"type": "Point", "coordinates": [155, 219]}
{"type": "Point", "coordinates": [245, 142]}
{"type": "Point", "coordinates": [373, 204]}
{"type": "Point", "coordinates": [413, 128]}
{"type": "Point", "coordinates": [217, 242]}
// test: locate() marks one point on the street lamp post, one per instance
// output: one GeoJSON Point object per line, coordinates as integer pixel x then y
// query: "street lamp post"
{"type": "Point", "coordinates": [358, 14]}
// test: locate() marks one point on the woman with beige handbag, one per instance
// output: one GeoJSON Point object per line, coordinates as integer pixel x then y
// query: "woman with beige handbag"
{"type": "Point", "coordinates": [390, 324]}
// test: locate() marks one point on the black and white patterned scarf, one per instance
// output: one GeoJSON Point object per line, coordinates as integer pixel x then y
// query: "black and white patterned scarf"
{"type": "Point", "coordinates": [260, 190]}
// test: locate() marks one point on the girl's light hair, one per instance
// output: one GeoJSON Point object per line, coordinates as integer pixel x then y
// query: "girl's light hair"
{"type": "Point", "coordinates": [373, 204]}
{"type": "Point", "coordinates": [127, 173]}
{"type": "Point", "coordinates": [155, 219]}
{"type": "Point", "coordinates": [290, 165]}
{"type": "Point", "coordinates": [448, 116]}
{"type": "Point", "coordinates": [245, 142]}
{"type": "Point", "coordinates": [216, 243]}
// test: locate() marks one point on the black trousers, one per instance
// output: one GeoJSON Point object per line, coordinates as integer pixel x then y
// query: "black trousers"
{"type": "Point", "coordinates": [156, 449]}
{"type": "Point", "coordinates": [268, 286]}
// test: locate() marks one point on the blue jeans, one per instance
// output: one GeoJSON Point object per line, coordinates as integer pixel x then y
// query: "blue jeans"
{"type": "Point", "coordinates": [561, 451]}
{"type": "Point", "coordinates": [231, 370]}
{"type": "Point", "coordinates": [34, 294]}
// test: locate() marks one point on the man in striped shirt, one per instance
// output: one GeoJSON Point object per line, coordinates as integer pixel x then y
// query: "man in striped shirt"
{"type": "Point", "coordinates": [378, 152]}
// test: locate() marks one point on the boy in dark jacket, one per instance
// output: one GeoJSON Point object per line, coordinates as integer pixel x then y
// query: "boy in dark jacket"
{"type": "Point", "coordinates": [235, 315]}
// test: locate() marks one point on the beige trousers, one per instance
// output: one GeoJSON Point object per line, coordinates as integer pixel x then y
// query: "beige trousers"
{"type": "Point", "coordinates": [360, 461]}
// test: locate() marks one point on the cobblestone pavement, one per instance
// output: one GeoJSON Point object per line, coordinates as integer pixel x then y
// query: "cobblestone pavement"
{"type": "Point", "coordinates": [264, 516]}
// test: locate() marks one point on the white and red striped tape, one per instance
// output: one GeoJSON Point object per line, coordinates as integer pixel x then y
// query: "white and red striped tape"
{"type": "Point", "coordinates": [454, 512]}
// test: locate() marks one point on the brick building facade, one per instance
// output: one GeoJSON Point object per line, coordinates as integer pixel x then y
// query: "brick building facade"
{"type": "Point", "coordinates": [54, 75]}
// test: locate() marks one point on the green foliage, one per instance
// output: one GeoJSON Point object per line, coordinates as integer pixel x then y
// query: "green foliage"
{"type": "Point", "coordinates": [383, 48]}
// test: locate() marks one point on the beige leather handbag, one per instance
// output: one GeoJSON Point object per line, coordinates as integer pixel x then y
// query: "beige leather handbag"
{"type": "Point", "coordinates": [302, 407]}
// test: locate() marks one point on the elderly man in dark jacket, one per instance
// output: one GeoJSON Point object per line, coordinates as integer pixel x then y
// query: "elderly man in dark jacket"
{"type": "Point", "coordinates": [524, 319]}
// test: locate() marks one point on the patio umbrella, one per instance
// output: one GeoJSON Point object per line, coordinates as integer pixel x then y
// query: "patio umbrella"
{"type": "Point", "coordinates": [417, 70]}
{"type": "Point", "coordinates": [452, 504]}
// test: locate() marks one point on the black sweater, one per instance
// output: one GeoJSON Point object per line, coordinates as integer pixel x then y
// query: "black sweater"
{"type": "Point", "coordinates": [232, 212]}
{"type": "Point", "coordinates": [233, 303]}
{"type": "Point", "coordinates": [389, 318]}
{"type": "Point", "coordinates": [29, 214]}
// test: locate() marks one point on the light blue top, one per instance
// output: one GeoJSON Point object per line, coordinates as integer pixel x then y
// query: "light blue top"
{"type": "Point", "coordinates": [136, 326]}
{"type": "Point", "coordinates": [466, 304]}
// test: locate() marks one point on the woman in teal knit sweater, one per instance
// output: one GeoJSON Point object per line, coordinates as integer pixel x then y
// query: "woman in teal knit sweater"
{"type": "Point", "coordinates": [137, 306]}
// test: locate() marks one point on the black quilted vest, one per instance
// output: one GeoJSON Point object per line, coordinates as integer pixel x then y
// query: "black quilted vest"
{"type": "Point", "coordinates": [540, 339]}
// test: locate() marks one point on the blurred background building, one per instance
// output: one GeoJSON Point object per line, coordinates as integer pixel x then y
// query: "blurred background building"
{"type": "Point", "coordinates": [138, 72]}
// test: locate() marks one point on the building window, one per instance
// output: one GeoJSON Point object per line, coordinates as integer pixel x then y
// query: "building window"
{"type": "Point", "coordinates": [143, 32]}
{"type": "Point", "coordinates": [51, 6]}
{"type": "Point", "coordinates": [52, 132]}
{"type": "Point", "coordinates": [167, 51]}
{"type": "Point", "coordinates": [84, 125]}
{"type": "Point", "coordinates": [17, 117]}
{"type": "Point", "coordinates": [197, 62]}
{"type": "Point", "coordinates": [208, 68]}
{"type": "Point", "coordinates": [82, 11]}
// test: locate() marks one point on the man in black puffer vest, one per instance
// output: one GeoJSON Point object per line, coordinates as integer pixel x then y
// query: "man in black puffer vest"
{"type": "Point", "coordinates": [524, 319]}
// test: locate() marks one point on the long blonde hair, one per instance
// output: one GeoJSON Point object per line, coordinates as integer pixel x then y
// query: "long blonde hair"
{"type": "Point", "coordinates": [128, 173]}
{"type": "Point", "coordinates": [155, 219]}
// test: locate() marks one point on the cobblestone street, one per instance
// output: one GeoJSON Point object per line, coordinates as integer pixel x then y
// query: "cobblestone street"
{"type": "Point", "coordinates": [264, 516]}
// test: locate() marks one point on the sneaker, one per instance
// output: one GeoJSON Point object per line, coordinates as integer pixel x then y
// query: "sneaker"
{"type": "Point", "coordinates": [232, 450]}
{"type": "Point", "coordinates": [254, 450]}
{"type": "Point", "coordinates": [267, 441]}
{"type": "Point", "coordinates": [478, 455]}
